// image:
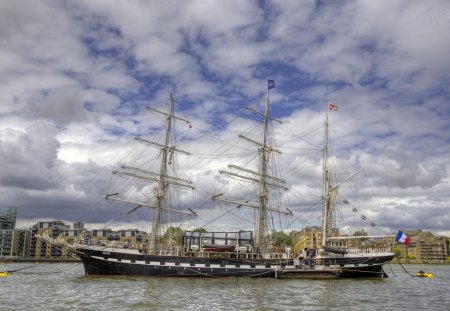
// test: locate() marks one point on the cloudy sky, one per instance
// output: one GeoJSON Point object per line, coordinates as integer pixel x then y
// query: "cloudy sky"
{"type": "Point", "coordinates": [76, 76]}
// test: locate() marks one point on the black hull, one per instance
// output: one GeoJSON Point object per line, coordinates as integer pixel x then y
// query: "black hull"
{"type": "Point", "coordinates": [375, 271]}
{"type": "Point", "coordinates": [97, 262]}
{"type": "Point", "coordinates": [369, 271]}
{"type": "Point", "coordinates": [95, 267]}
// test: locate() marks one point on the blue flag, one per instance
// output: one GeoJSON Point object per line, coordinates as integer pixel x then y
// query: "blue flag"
{"type": "Point", "coordinates": [270, 84]}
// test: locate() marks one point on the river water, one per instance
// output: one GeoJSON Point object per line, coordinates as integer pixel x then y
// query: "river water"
{"type": "Point", "coordinates": [63, 286]}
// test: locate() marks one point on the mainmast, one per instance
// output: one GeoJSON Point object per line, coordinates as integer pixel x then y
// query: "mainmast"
{"type": "Point", "coordinates": [261, 225]}
{"type": "Point", "coordinates": [163, 181]}
{"type": "Point", "coordinates": [261, 178]}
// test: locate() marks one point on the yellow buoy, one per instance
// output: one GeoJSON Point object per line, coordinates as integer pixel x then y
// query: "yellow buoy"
{"type": "Point", "coordinates": [424, 274]}
{"type": "Point", "coordinates": [3, 274]}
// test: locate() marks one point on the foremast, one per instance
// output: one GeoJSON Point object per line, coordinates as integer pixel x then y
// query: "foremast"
{"type": "Point", "coordinates": [163, 181]}
{"type": "Point", "coordinates": [262, 179]}
{"type": "Point", "coordinates": [162, 185]}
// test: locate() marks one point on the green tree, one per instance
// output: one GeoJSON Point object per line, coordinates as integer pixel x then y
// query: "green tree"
{"type": "Point", "coordinates": [360, 233]}
{"type": "Point", "coordinates": [200, 230]}
{"type": "Point", "coordinates": [397, 251]}
{"type": "Point", "coordinates": [281, 238]}
{"type": "Point", "coordinates": [173, 236]}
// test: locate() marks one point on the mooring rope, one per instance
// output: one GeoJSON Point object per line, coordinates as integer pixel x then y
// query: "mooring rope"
{"type": "Point", "coordinates": [38, 265]}
{"type": "Point", "coordinates": [405, 269]}
{"type": "Point", "coordinates": [392, 270]}
{"type": "Point", "coordinates": [11, 271]}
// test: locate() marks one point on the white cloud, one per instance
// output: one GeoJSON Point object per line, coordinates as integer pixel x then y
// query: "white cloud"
{"type": "Point", "coordinates": [30, 157]}
{"type": "Point", "coordinates": [75, 77]}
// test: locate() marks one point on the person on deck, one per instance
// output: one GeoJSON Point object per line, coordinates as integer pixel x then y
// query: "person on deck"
{"type": "Point", "coordinates": [304, 252]}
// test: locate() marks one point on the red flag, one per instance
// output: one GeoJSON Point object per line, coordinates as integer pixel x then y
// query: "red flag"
{"type": "Point", "coordinates": [190, 125]}
{"type": "Point", "coordinates": [332, 106]}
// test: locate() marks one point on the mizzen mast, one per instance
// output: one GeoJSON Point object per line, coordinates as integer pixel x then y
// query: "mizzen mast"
{"type": "Point", "coordinates": [326, 208]}
{"type": "Point", "coordinates": [329, 191]}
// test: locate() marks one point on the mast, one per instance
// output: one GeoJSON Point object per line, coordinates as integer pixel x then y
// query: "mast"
{"type": "Point", "coordinates": [261, 224]}
{"type": "Point", "coordinates": [161, 186]}
{"type": "Point", "coordinates": [163, 181]}
{"type": "Point", "coordinates": [329, 191]}
{"type": "Point", "coordinates": [326, 215]}
{"type": "Point", "coordinates": [261, 178]}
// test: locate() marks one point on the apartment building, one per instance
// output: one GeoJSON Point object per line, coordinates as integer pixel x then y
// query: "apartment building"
{"type": "Point", "coordinates": [40, 247]}
{"type": "Point", "coordinates": [7, 226]}
{"type": "Point", "coordinates": [424, 245]}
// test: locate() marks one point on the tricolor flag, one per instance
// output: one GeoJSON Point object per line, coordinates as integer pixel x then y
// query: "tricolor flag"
{"type": "Point", "coordinates": [403, 238]}
{"type": "Point", "coordinates": [270, 84]}
{"type": "Point", "coordinates": [332, 106]}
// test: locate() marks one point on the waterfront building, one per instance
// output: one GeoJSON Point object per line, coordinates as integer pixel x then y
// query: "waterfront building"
{"type": "Point", "coordinates": [425, 246]}
{"type": "Point", "coordinates": [73, 235]}
{"type": "Point", "coordinates": [40, 248]}
{"type": "Point", "coordinates": [7, 225]}
{"type": "Point", "coordinates": [6, 237]}
{"type": "Point", "coordinates": [106, 237]}
{"type": "Point", "coordinates": [21, 241]}
{"type": "Point", "coordinates": [309, 237]}
{"type": "Point", "coordinates": [129, 238]}
{"type": "Point", "coordinates": [8, 221]}
{"type": "Point", "coordinates": [446, 241]}
{"type": "Point", "coordinates": [100, 237]}
{"type": "Point", "coordinates": [78, 225]}
{"type": "Point", "coordinates": [133, 238]}
{"type": "Point", "coordinates": [76, 234]}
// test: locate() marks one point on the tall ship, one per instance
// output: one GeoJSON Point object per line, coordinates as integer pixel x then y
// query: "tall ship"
{"type": "Point", "coordinates": [240, 253]}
